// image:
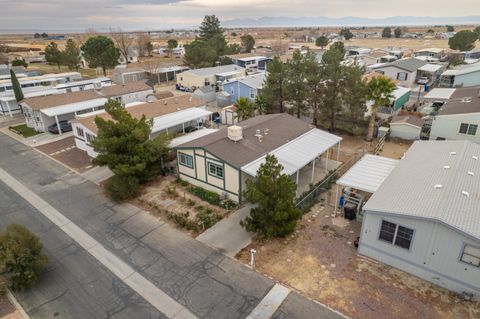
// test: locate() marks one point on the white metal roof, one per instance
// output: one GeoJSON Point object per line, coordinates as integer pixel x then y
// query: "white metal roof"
{"type": "Point", "coordinates": [74, 107]}
{"type": "Point", "coordinates": [439, 93]}
{"type": "Point", "coordinates": [173, 119]}
{"type": "Point", "coordinates": [400, 91]}
{"type": "Point", "coordinates": [435, 180]}
{"type": "Point", "coordinates": [430, 68]}
{"type": "Point", "coordinates": [368, 173]}
{"type": "Point", "coordinates": [227, 73]}
{"type": "Point", "coordinates": [191, 136]}
{"type": "Point", "coordinates": [297, 153]}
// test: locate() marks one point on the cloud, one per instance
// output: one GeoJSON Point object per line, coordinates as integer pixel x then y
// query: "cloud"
{"type": "Point", "coordinates": [157, 14]}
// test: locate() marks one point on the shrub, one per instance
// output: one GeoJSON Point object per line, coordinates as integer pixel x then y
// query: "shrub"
{"type": "Point", "coordinates": [190, 202]}
{"type": "Point", "coordinates": [206, 217]}
{"type": "Point", "coordinates": [208, 196]}
{"type": "Point", "coordinates": [21, 257]}
{"type": "Point", "coordinates": [172, 191]}
{"type": "Point", "coordinates": [120, 188]}
{"type": "Point", "coordinates": [182, 220]}
{"type": "Point", "coordinates": [182, 182]}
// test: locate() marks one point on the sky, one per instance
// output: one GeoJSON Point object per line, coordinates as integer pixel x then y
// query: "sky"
{"type": "Point", "coordinates": [160, 14]}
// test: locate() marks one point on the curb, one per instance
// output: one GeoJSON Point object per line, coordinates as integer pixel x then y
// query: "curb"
{"type": "Point", "coordinates": [17, 305]}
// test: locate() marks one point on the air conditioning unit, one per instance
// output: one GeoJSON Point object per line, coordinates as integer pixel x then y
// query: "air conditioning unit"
{"type": "Point", "coordinates": [235, 133]}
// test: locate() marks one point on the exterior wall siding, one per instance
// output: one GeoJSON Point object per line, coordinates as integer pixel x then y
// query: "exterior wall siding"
{"type": "Point", "coordinates": [434, 254]}
{"type": "Point", "coordinates": [392, 72]}
{"type": "Point", "coordinates": [447, 126]}
{"type": "Point", "coordinates": [199, 175]}
{"type": "Point", "coordinates": [465, 80]}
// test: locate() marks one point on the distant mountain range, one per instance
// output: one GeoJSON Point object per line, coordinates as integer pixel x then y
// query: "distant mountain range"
{"type": "Point", "coordinates": [348, 21]}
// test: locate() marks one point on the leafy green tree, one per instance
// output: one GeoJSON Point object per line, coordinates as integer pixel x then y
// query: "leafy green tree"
{"type": "Point", "coordinates": [21, 257]}
{"type": "Point", "coordinates": [219, 44]}
{"type": "Point", "coordinates": [274, 88]}
{"type": "Point", "coordinates": [248, 42]}
{"type": "Point", "coordinates": [477, 31]}
{"type": "Point", "coordinates": [295, 88]}
{"type": "Point", "coordinates": [233, 34]}
{"type": "Point", "coordinates": [19, 62]}
{"type": "Point", "coordinates": [172, 44]}
{"type": "Point", "coordinates": [275, 214]}
{"type": "Point", "coordinates": [387, 32]}
{"type": "Point", "coordinates": [322, 41]}
{"type": "Point", "coordinates": [245, 109]}
{"type": "Point", "coordinates": [124, 145]}
{"type": "Point", "coordinates": [199, 54]}
{"type": "Point", "coordinates": [334, 72]}
{"type": "Point", "coordinates": [463, 40]}
{"type": "Point", "coordinates": [430, 31]}
{"type": "Point", "coordinates": [53, 55]}
{"type": "Point", "coordinates": [225, 60]}
{"type": "Point", "coordinates": [71, 55]}
{"type": "Point", "coordinates": [354, 101]}
{"type": "Point", "coordinates": [339, 46]}
{"type": "Point", "coordinates": [17, 88]}
{"type": "Point", "coordinates": [398, 32]}
{"type": "Point", "coordinates": [450, 28]}
{"type": "Point", "coordinates": [379, 91]}
{"type": "Point", "coordinates": [210, 28]}
{"type": "Point", "coordinates": [233, 48]}
{"type": "Point", "coordinates": [100, 51]}
{"type": "Point", "coordinates": [346, 33]}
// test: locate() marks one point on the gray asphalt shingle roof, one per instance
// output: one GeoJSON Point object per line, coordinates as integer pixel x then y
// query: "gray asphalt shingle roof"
{"type": "Point", "coordinates": [408, 64]}
{"type": "Point", "coordinates": [413, 188]}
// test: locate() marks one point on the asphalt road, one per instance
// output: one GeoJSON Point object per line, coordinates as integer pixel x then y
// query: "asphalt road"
{"type": "Point", "coordinates": [76, 285]}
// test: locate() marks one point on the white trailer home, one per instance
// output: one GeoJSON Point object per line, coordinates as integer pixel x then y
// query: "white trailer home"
{"type": "Point", "coordinates": [425, 217]}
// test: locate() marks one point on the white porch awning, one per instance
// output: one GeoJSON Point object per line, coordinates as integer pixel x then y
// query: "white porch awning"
{"type": "Point", "coordinates": [439, 93]}
{"type": "Point", "coordinates": [191, 136]}
{"type": "Point", "coordinates": [368, 173]}
{"type": "Point", "coordinates": [74, 107]}
{"type": "Point", "coordinates": [297, 153]}
{"type": "Point", "coordinates": [177, 118]}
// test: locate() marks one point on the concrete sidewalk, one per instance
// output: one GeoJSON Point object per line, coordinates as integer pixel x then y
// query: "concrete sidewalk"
{"type": "Point", "coordinates": [228, 235]}
{"type": "Point", "coordinates": [97, 174]}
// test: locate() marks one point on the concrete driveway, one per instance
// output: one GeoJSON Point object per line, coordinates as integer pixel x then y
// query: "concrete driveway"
{"type": "Point", "coordinates": [228, 235]}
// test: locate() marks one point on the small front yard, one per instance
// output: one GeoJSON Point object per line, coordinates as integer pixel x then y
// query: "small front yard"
{"type": "Point", "coordinates": [24, 130]}
{"type": "Point", "coordinates": [185, 206]}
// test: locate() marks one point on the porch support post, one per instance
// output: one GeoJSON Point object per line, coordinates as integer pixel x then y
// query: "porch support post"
{"type": "Point", "coordinates": [338, 151]}
{"type": "Point", "coordinates": [336, 201]}
{"type": "Point", "coordinates": [183, 128]}
{"type": "Point", "coordinates": [58, 125]}
{"type": "Point", "coordinates": [313, 169]}
{"type": "Point", "coordinates": [9, 109]}
{"type": "Point", "coordinates": [326, 162]}
{"type": "Point", "coordinates": [297, 177]}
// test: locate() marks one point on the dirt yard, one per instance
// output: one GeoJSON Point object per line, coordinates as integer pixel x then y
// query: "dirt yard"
{"type": "Point", "coordinates": [320, 261]}
{"type": "Point", "coordinates": [170, 200]}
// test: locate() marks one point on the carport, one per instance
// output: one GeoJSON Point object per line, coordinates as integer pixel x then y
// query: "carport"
{"type": "Point", "coordinates": [303, 152]}
{"type": "Point", "coordinates": [170, 121]}
{"type": "Point", "coordinates": [366, 175]}
{"type": "Point", "coordinates": [72, 109]}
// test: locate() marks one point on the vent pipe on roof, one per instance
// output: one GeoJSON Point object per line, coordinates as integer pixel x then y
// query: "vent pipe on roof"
{"type": "Point", "coordinates": [465, 193]}
{"type": "Point", "coordinates": [471, 173]}
{"type": "Point", "coordinates": [453, 153]}
{"type": "Point", "coordinates": [438, 186]}
{"type": "Point", "coordinates": [446, 167]}
{"type": "Point", "coordinates": [475, 157]}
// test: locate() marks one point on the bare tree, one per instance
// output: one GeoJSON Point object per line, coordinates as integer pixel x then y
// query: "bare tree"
{"type": "Point", "coordinates": [123, 41]}
{"type": "Point", "coordinates": [143, 40]}
{"type": "Point", "coordinates": [81, 38]}
{"type": "Point", "coordinates": [279, 47]}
